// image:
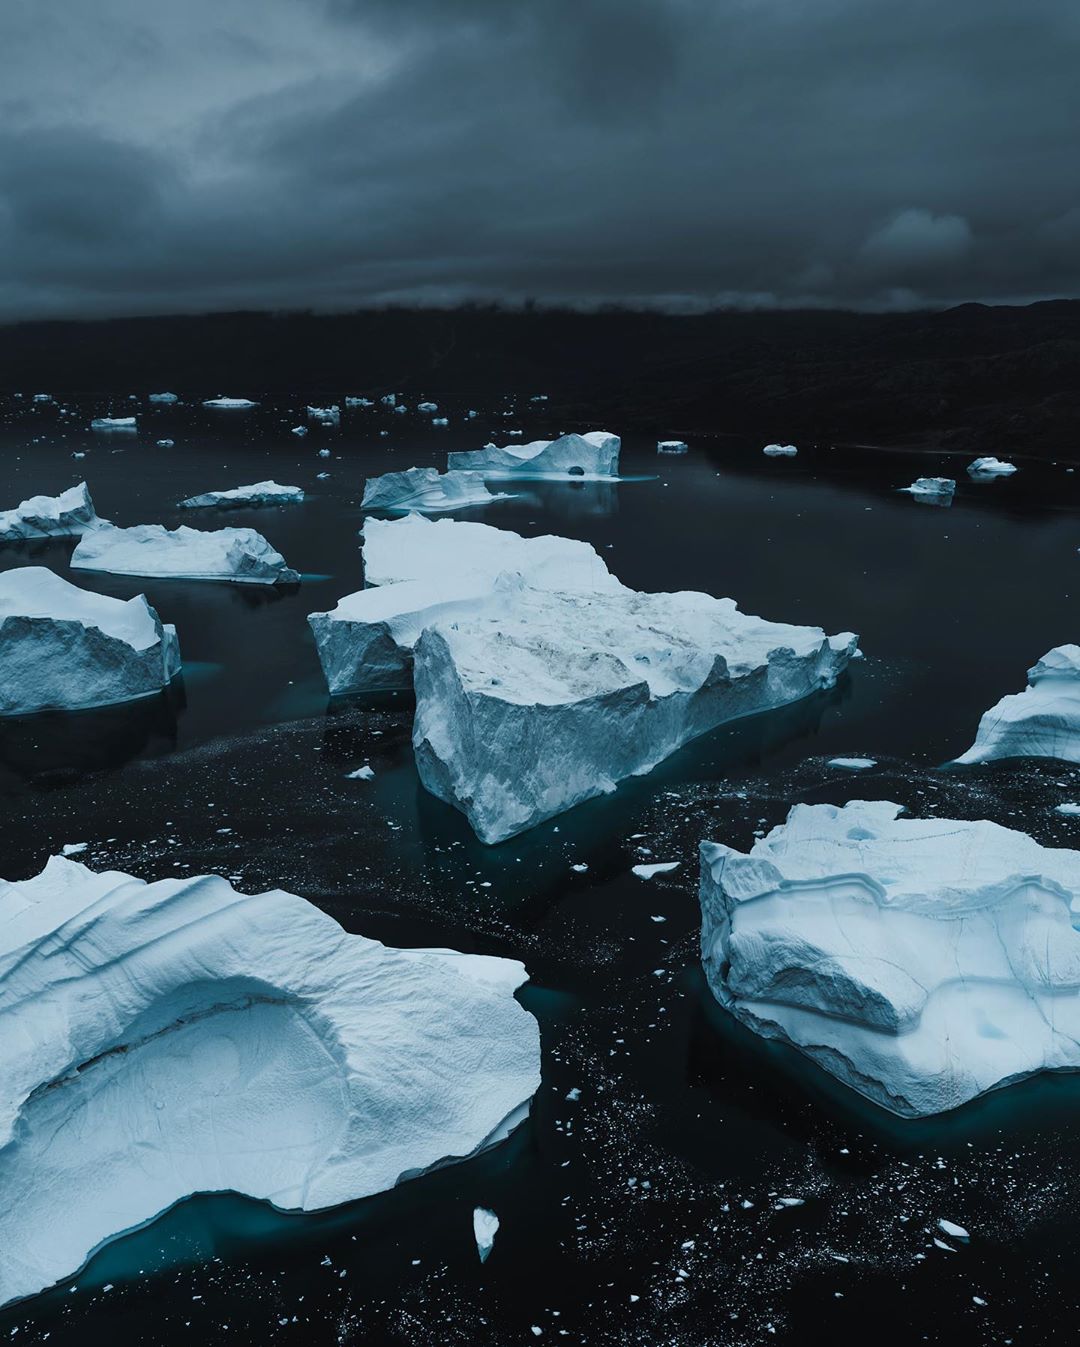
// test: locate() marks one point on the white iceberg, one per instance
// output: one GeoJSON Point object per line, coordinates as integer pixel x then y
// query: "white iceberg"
{"type": "Point", "coordinates": [359, 402]}
{"type": "Point", "coordinates": [163, 397]}
{"type": "Point", "coordinates": [1043, 721]}
{"type": "Point", "coordinates": [439, 421]}
{"type": "Point", "coordinates": [165, 444]}
{"type": "Point", "coordinates": [64, 648]}
{"type": "Point", "coordinates": [229, 404]}
{"type": "Point", "coordinates": [327, 415]}
{"type": "Point", "coordinates": [852, 764]}
{"type": "Point", "coordinates": [43, 397]}
{"type": "Point", "coordinates": [427, 406]}
{"type": "Point", "coordinates": [546, 699]}
{"type": "Point", "coordinates": [427, 490]}
{"type": "Point", "coordinates": [671, 446]}
{"type": "Point", "coordinates": [593, 455]}
{"type": "Point", "coordinates": [937, 488]}
{"type": "Point", "coordinates": [65, 516]}
{"type": "Point", "coordinates": [179, 1037]}
{"type": "Point", "coordinates": [921, 961]}
{"type": "Point", "coordinates": [114, 423]}
{"type": "Point", "coordinates": [299, 430]}
{"type": "Point", "coordinates": [239, 555]}
{"type": "Point", "coordinates": [388, 399]}
{"type": "Point", "coordinates": [485, 1228]}
{"type": "Point", "coordinates": [261, 493]}
{"type": "Point", "coordinates": [780, 450]}
{"type": "Point", "coordinates": [991, 467]}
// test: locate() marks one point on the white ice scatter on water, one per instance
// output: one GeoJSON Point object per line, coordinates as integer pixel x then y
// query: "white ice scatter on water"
{"type": "Point", "coordinates": [593, 455]}
{"type": "Point", "coordinates": [239, 555]}
{"type": "Point", "coordinates": [427, 490]}
{"type": "Point", "coordinates": [68, 515]}
{"type": "Point", "coordinates": [261, 493]}
{"type": "Point", "coordinates": [991, 467]}
{"type": "Point", "coordinates": [780, 450]}
{"type": "Point", "coordinates": [64, 648]}
{"type": "Point", "coordinates": [179, 1037]}
{"type": "Point", "coordinates": [1043, 721]}
{"type": "Point", "coordinates": [923, 962]}
{"type": "Point", "coordinates": [485, 1228]}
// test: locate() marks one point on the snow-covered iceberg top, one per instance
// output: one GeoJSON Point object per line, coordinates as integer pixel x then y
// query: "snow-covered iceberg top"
{"type": "Point", "coordinates": [593, 455]}
{"type": "Point", "coordinates": [991, 467]}
{"type": "Point", "coordinates": [65, 516]}
{"type": "Point", "coordinates": [931, 486]}
{"type": "Point", "coordinates": [545, 699]}
{"type": "Point", "coordinates": [921, 961]}
{"type": "Point", "coordinates": [427, 490]}
{"type": "Point", "coordinates": [180, 1037]}
{"type": "Point", "coordinates": [261, 493]}
{"type": "Point", "coordinates": [113, 423]}
{"type": "Point", "coordinates": [64, 648]}
{"type": "Point", "coordinates": [239, 555]}
{"type": "Point", "coordinates": [1043, 721]}
{"type": "Point", "coordinates": [780, 450]}
{"type": "Point", "coordinates": [229, 404]}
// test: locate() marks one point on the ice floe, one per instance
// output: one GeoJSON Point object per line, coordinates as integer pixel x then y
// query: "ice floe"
{"type": "Point", "coordinates": [261, 493]}
{"type": "Point", "coordinates": [229, 404]}
{"type": "Point", "coordinates": [923, 962]}
{"type": "Point", "coordinates": [1043, 721]}
{"type": "Point", "coordinates": [65, 516]}
{"type": "Point", "coordinates": [240, 555]}
{"type": "Point", "coordinates": [991, 467]}
{"type": "Point", "coordinates": [179, 1037]}
{"type": "Point", "coordinates": [64, 648]}
{"type": "Point", "coordinates": [593, 455]}
{"type": "Point", "coordinates": [427, 490]}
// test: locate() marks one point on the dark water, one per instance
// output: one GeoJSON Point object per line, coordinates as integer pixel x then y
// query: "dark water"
{"type": "Point", "coordinates": [638, 1189]}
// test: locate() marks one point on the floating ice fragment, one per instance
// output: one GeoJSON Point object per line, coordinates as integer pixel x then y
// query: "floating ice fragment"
{"type": "Point", "coordinates": [261, 493]}
{"type": "Point", "coordinates": [237, 554]}
{"type": "Point", "coordinates": [780, 450]}
{"type": "Point", "coordinates": [655, 868]}
{"type": "Point", "coordinates": [991, 467]}
{"type": "Point", "coordinates": [852, 764]}
{"type": "Point", "coordinates": [1041, 722]}
{"type": "Point", "coordinates": [229, 404]}
{"type": "Point", "coordinates": [485, 1228]}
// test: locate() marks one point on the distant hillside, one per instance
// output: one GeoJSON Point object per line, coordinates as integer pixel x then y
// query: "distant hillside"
{"type": "Point", "coordinates": [973, 376]}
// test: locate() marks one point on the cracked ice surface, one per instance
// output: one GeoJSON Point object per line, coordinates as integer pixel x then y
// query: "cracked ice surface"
{"type": "Point", "coordinates": [921, 961]}
{"type": "Point", "coordinates": [164, 1039]}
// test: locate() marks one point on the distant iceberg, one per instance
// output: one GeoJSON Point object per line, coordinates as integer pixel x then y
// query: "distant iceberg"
{"type": "Point", "coordinates": [671, 446]}
{"type": "Point", "coordinates": [64, 648]}
{"type": "Point", "coordinates": [1043, 721]}
{"type": "Point", "coordinates": [179, 1037]}
{"type": "Point", "coordinates": [359, 402]}
{"type": "Point", "coordinates": [229, 404]}
{"type": "Point", "coordinates": [593, 455]}
{"type": "Point", "coordinates": [427, 406]}
{"type": "Point", "coordinates": [65, 516]}
{"type": "Point", "coordinates": [939, 489]}
{"type": "Point", "coordinates": [780, 450]}
{"type": "Point", "coordinates": [163, 397]}
{"type": "Point", "coordinates": [991, 467]}
{"type": "Point", "coordinates": [239, 555]}
{"type": "Point", "coordinates": [923, 962]}
{"type": "Point", "coordinates": [328, 415]}
{"type": "Point", "coordinates": [261, 493]}
{"type": "Point", "coordinates": [427, 490]}
{"type": "Point", "coordinates": [114, 423]}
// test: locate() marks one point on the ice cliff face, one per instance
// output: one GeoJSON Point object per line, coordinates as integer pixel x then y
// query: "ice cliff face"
{"type": "Point", "coordinates": [163, 1039]}
{"type": "Point", "coordinates": [426, 490]}
{"type": "Point", "coordinates": [1043, 721]}
{"type": "Point", "coordinates": [68, 515]}
{"type": "Point", "coordinates": [63, 648]}
{"type": "Point", "coordinates": [261, 493]}
{"type": "Point", "coordinates": [240, 555]}
{"type": "Point", "coordinates": [593, 455]}
{"type": "Point", "coordinates": [552, 698]}
{"type": "Point", "coordinates": [923, 962]}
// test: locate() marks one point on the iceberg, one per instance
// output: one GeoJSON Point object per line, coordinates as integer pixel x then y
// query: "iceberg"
{"type": "Point", "coordinates": [991, 467]}
{"type": "Point", "coordinates": [229, 404]}
{"type": "Point", "coordinates": [938, 488]}
{"type": "Point", "coordinates": [165, 444]}
{"type": "Point", "coordinates": [923, 962]}
{"type": "Point", "coordinates": [671, 446]}
{"type": "Point", "coordinates": [262, 493]}
{"type": "Point", "coordinates": [329, 416]}
{"type": "Point", "coordinates": [780, 450]}
{"type": "Point", "coordinates": [113, 423]}
{"type": "Point", "coordinates": [65, 516]}
{"type": "Point", "coordinates": [485, 1228]}
{"type": "Point", "coordinates": [593, 455]}
{"type": "Point", "coordinates": [178, 1037]}
{"type": "Point", "coordinates": [359, 402]}
{"type": "Point", "coordinates": [427, 406]}
{"type": "Point", "coordinates": [64, 648]}
{"type": "Point", "coordinates": [1043, 721]}
{"type": "Point", "coordinates": [240, 555]}
{"type": "Point", "coordinates": [163, 397]}
{"type": "Point", "coordinates": [546, 699]}
{"type": "Point", "coordinates": [427, 490]}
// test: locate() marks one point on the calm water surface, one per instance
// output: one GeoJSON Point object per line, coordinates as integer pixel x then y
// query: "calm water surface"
{"type": "Point", "coordinates": [646, 1211]}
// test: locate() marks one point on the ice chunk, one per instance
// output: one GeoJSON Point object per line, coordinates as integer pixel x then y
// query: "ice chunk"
{"type": "Point", "coordinates": [239, 555]}
{"type": "Point", "coordinates": [655, 868]}
{"type": "Point", "coordinates": [388, 399]}
{"type": "Point", "coordinates": [1069, 808]}
{"type": "Point", "coordinates": [550, 699]}
{"type": "Point", "coordinates": [229, 404]}
{"type": "Point", "coordinates": [991, 467]}
{"type": "Point", "coordinates": [299, 430]}
{"type": "Point", "coordinates": [327, 415]}
{"type": "Point", "coordinates": [780, 450]}
{"type": "Point", "coordinates": [359, 402]}
{"type": "Point", "coordinates": [262, 493]}
{"type": "Point", "coordinates": [63, 648]}
{"type": "Point", "coordinates": [439, 421]}
{"type": "Point", "coordinates": [43, 397]}
{"type": "Point", "coordinates": [427, 490]}
{"type": "Point", "coordinates": [853, 764]}
{"type": "Point", "coordinates": [164, 444]}
{"type": "Point", "coordinates": [163, 397]}
{"type": "Point", "coordinates": [1043, 721]}
{"type": "Point", "coordinates": [364, 773]}
{"type": "Point", "coordinates": [593, 455]}
{"type": "Point", "coordinates": [671, 446]}
{"type": "Point", "coordinates": [65, 516]}
{"type": "Point", "coordinates": [921, 961]}
{"type": "Point", "coordinates": [113, 423]}
{"type": "Point", "coordinates": [485, 1227]}
{"type": "Point", "coordinates": [953, 1230]}
{"type": "Point", "coordinates": [935, 487]}
{"type": "Point", "coordinates": [180, 1037]}
{"type": "Point", "coordinates": [427, 406]}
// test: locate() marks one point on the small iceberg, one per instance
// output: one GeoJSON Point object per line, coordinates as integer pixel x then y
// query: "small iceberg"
{"type": "Point", "coordinates": [68, 515]}
{"type": "Point", "coordinates": [261, 493]}
{"type": "Point", "coordinates": [163, 397]}
{"type": "Point", "coordinates": [65, 649]}
{"type": "Point", "coordinates": [852, 764]}
{"type": "Point", "coordinates": [114, 423]}
{"type": "Point", "coordinates": [241, 556]}
{"type": "Point", "coordinates": [940, 490]}
{"type": "Point", "coordinates": [229, 404]}
{"type": "Point", "coordinates": [923, 962]}
{"type": "Point", "coordinates": [178, 1037]}
{"type": "Point", "coordinates": [485, 1228]}
{"type": "Point", "coordinates": [671, 446]}
{"type": "Point", "coordinates": [780, 450]}
{"type": "Point", "coordinates": [427, 490]}
{"type": "Point", "coordinates": [1043, 721]}
{"type": "Point", "coordinates": [991, 467]}
{"type": "Point", "coordinates": [427, 406]}
{"type": "Point", "coordinates": [593, 455]}
{"type": "Point", "coordinates": [359, 402]}
{"type": "Point", "coordinates": [329, 416]}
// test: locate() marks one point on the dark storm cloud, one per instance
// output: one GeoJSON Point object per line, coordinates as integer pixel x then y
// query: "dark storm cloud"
{"type": "Point", "coordinates": [327, 153]}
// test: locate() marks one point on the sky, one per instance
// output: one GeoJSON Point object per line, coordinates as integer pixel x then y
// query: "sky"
{"type": "Point", "coordinates": [684, 154]}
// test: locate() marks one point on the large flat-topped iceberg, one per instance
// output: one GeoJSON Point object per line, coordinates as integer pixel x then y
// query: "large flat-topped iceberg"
{"type": "Point", "coordinates": [593, 455]}
{"type": "Point", "coordinates": [1043, 721]}
{"type": "Point", "coordinates": [260, 493]}
{"type": "Point", "coordinates": [68, 515]}
{"type": "Point", "coordinates": [921, 961]}
{"type": "Point", "coordinates": [64, 648]}
{"type": "Point", "coordinates": [427, 490]}
{"type": "Point", "coordinates": [548, 699]}
{"type": "Point", "coordinates": [239, 555]}
{"type": "Point", "coordinates": [179, 1037]}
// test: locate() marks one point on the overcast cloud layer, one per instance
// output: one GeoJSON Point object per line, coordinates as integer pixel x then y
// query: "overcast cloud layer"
{"type": "Point", "coordinates": [221, 154]}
